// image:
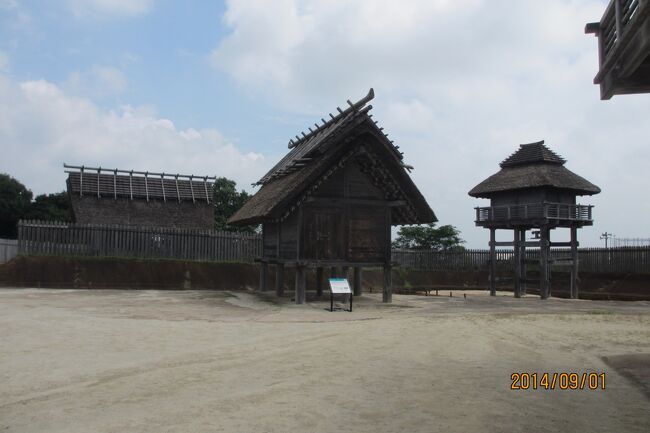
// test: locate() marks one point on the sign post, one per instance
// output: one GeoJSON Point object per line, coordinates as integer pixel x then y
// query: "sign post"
{"type": "Point", "coordinates": [339, 286]}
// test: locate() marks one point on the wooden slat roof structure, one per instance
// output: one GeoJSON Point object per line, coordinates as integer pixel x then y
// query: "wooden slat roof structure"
{"type": "Point", "coordinates": [533, 165]}
{"type": "Point", "coordinates": [114, 183]}
{"type": "Point", "coordinates": [351, 134]}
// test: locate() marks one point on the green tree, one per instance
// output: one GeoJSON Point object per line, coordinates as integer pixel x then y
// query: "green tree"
{"type": "Point", "coordinates": [428, 237]}
{"type": "Point", "coordinates": [50, 207]}
{"type": "Point", "coordinates": [227, 201]}
{"type": "Point", "coordinates": [15, 199]}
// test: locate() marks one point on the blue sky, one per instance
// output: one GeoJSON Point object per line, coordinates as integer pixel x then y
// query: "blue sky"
{"type": "Point", "coordinates": [218, 88]}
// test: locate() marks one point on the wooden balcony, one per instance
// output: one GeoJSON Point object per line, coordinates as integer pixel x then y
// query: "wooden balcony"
{"type": "Point", "coordinates": [623, 48]}
{"type": "Point", "coordinates": [534, 214]}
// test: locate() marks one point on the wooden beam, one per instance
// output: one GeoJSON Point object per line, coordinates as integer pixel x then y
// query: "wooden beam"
{"type": "Point", "coordinates": [319, 281]}
{"type": "Point", "coordinates": [356, 284]}
{"type": "Point", "coordinates": [279, 280]}
{"type": "Point", "coordinates": [300, 295]}
{"type": "Point", "coordinates": [493, 264]}
{"type": "Point", "coordinates": [517, 260]}
{"type": "Point", "coordinates": [544, 286]}
{"type": "Point", "coordinates": [522, 260]}
{"type": "Point", "coordinates": [264, 270]}
{"type": "Point", "coordinates": [574, 265]}
{"type": "Point", "coordinates": [387, 295]}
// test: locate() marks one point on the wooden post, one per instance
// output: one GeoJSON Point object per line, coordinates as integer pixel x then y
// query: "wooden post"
{"type": "Point", "coordinates": [544, 286]}
{"type": "Point", "coordinates": [333, 272]}
{"type": "Point", "coordinates": [264, 270]}
{"type": "Point", "coordinates": [522, 285]}
{"type": "Point", "coordinates": [574, 263]}
{"type": "Point", "coordinates": [319, 281]}
{"type": "Point", "coordinates": [344, 272]}
{"type": "Point", "coordinates": [493, 263]}
{"type": "Point", "coordinates": [279, 280]}
{"type": "Point", "coordinates": [300, 285]}
{"type": "Point", "coordinates": [356, 285]}
{"type": "Point", "coordinates": [517, 260]}
{"type": "Point", "coordinates": [388, 284]}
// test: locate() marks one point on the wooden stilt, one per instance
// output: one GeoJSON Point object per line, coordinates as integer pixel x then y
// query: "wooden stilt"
{"type": "Point", "coordinates": [344, 272]}
{"type": "Point", "coordinates": [522, 257]}
{"type": "Point", "coordinates": [356, 285]}
{"type": "Point", "coordinates": [319, 281]}
{"type": "Point", "coordinates": [493, 263]}
{"type": "Point", "coordinates": [517, 260]}
{"type": "Point", "coordinates": [388, 284]}
{"type": "Point", "coordinates": [574, 263]}
{"type": "Point", "coordinates": [279, 280]}
{"type": "Point", "coordinates": [300, 285]}
{"type": "Point", "coordinates": [264, 271]}
{"type": "Point", "coordinates": [544, 285]}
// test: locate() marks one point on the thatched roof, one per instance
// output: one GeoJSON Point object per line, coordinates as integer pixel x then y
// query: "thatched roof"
{"type": "Point", "coordinates": [349, 137]}
{"type": "Point", "coordinates": [114, 183]}
{"type": "Point", "coordinates": [533, 165]}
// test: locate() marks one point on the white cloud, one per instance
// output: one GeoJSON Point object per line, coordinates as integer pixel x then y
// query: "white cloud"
{"type": "Point", "coordinates": [41, 127]}
{"type": "Point", "coordinates": [459, 84]}
{"type": "Point", "coordinates": [98, 81]}
{"type": "Point", "coordinates": [4, 61]}
{"type": "Point", "coordinates": [110, 7]}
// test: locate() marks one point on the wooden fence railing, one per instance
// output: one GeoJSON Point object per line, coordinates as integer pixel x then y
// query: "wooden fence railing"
{"type": "Point", "coordinates": [622, 259]}
{"type": "Point", "coordinates": [8, 249]}
{"type": "Point", "coordinates": [52, 238]}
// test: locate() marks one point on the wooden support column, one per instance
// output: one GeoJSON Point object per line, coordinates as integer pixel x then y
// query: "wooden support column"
{"type": "Point", "coordinates": [344, 272]}
{"type": "Point", "coordinates": [333, 272]}
{"type": "Point", "coordinates": [300, 285]}
{"type": "Point", "coordinates": [356, 284]}
{"type": "Point", "coordinates": [319, 281]}
{"type": "Point", "coordinates": [493, 263]}
{"type": "Point", "coordinates": [279, 280]}
{"type": "Point", "coordinates": [517, 260]}
{"type": "Point", "coordinates": [388, 284]}
{"type": "Point", "coordinates": [574, 263]}
{"type": "Point", "coordinates": [544, 284]}
{"type": "Point", "coordinates": [522, 239]}
{"type": "Point", "coordinates": [264, 272]}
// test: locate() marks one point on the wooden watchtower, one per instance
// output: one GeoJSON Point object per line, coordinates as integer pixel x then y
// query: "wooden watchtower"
{"type": "Point", "coordinates": [533, 190]}
{"type": "Point", "coordinates": [331, 202]}
{"type": "Point", "coordinates": [623, 48]}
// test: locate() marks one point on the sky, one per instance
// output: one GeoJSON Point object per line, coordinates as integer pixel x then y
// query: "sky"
{"type": "Point", "coordinates": [218, 88]}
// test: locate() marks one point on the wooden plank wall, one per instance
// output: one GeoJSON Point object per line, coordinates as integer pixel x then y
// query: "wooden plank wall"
{"type": "Point", "coordinates": [8, 249]}
{"type": "Point", "coordinates": [52, 238]}
{"type": "Point", "coordinates": [622, 259]}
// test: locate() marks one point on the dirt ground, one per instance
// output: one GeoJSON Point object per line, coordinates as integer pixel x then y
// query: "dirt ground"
{"type": "Point", "coordinates": [202, 361]}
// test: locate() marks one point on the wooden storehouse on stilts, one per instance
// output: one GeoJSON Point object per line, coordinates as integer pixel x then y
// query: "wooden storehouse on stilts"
{"type": "Point", "coordinates": [331, 202]}
{"type": "Point", "coordinates": [533, 190]}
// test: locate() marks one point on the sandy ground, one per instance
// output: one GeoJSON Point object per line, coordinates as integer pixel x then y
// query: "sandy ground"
{"type": "Point", "coordinates": [158, 361]}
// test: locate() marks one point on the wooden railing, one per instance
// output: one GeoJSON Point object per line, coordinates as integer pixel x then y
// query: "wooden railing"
{"type": "Point", "coordinates": [614, 28]}
{"type": "Point", "coordinates": [530, 211]}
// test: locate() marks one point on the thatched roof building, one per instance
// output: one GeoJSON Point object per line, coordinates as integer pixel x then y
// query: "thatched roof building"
{"type": "Point", "coordinates": [350, 136]}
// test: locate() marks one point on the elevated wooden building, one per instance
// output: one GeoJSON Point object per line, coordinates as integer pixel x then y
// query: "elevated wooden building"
{"type": "Point", "coordinates": [331, 201]}
{"type": "Point", "coordinates": [533, 190]}
{"type": "Point", "coordinates": [623, 48]}
{"type": "Point", "coordinates": [140, 198]}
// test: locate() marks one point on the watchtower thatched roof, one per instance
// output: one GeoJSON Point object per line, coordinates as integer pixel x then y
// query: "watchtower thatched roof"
{"type": "Point", "coordinates": [533, 165]}
{"type": "Point", "coordinates": [314, 156]}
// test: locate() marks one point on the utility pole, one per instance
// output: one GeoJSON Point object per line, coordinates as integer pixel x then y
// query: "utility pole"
{"type": "Point", "coordinates": [606, 236]}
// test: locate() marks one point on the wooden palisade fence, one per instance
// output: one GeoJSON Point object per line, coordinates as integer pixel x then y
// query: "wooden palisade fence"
{"type": "Point", "coordinates": [55, 238]}
{"type": "Point", "coordinates": [621, 259]}
{"type": "Point", "coordinates": [68, 239]}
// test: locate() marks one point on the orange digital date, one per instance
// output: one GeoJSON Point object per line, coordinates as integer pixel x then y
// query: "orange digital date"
{"type": "Point", "coordinates": [562, 381]}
